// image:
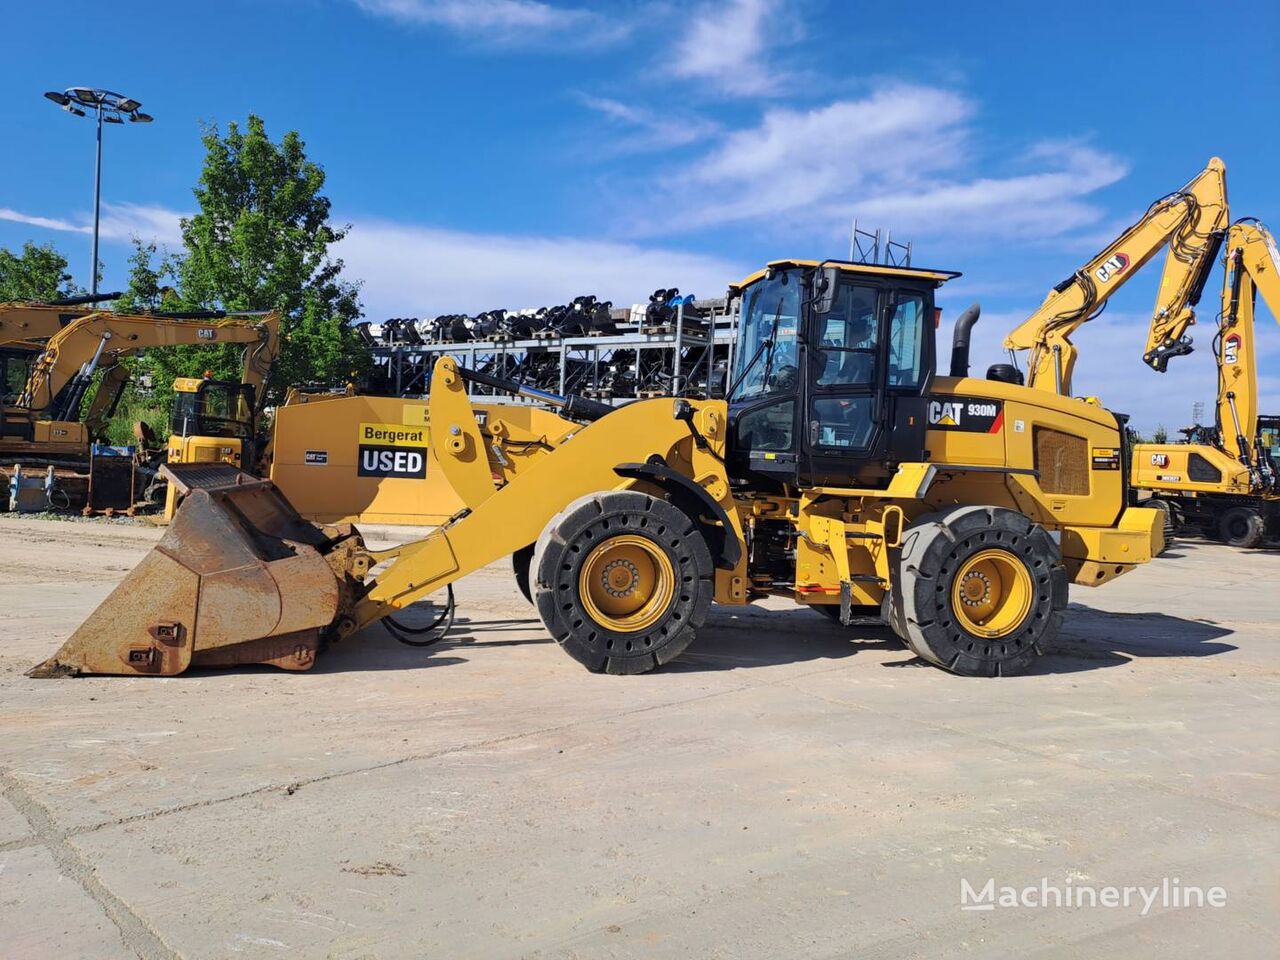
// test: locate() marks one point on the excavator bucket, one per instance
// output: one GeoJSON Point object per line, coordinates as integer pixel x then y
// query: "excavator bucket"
{"type": "Point", "coordinates": [238, 577]}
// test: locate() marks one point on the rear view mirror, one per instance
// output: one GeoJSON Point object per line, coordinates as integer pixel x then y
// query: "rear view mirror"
{"type": "Point", "coordinates": [824, 288]}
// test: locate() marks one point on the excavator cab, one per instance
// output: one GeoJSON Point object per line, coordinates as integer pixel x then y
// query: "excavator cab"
{"type": "Point", "coordinates": [212, 408]}
{"type": "Point", "coordinates": [833, 362]}
{"type": "Point", "coordinates": [213, 421]}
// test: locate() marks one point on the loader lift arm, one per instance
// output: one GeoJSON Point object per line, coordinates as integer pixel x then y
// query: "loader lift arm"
{"type": "Point", "coordinates": [1191, 222]}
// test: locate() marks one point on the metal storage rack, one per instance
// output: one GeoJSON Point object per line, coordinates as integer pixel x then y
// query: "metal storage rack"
{"type": "Point", "coordinates": [689, 357]}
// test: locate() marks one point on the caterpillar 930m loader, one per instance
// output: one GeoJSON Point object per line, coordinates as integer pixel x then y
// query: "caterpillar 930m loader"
{"type": "Point", "coordinates": [841, 473]}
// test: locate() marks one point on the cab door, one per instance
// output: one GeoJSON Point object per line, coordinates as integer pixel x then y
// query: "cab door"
{"type": "Point", "coordinates": [869, 356]}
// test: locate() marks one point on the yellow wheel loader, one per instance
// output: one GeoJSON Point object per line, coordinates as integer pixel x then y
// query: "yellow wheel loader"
{"type": "Point", "coordinates": [841, 473]}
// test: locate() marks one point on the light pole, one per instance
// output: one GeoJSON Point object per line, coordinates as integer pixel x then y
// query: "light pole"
{"type": "Point", "coordinates": [107, 107]}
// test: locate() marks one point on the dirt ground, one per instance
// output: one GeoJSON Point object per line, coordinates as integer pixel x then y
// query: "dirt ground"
{"type": "Point", "coordinates": [786, 789]}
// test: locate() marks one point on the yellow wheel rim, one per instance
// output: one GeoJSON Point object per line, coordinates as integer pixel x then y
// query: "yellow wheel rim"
{"type": "Point", "coordinates": [992, 593]}
{"type": "Point", "coordinates": [626, 583]}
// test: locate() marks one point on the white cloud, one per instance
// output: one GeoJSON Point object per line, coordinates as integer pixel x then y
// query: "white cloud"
{"type": "Point", "coordinates": [119, 221]}
{"type": "Point", "coordinates": [426, 271]}
{"type": "Point", "coordinates": [903, 156]}
{"type": "Point", "coordinates": [503, 22]}
{"type": "Point", "coordinates": [729, 45]}
{"type": "Point", "coordinates": [645, 129]}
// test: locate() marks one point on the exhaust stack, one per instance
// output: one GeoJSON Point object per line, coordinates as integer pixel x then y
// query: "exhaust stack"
{"type": "Point", "coordinates": [960, 341]}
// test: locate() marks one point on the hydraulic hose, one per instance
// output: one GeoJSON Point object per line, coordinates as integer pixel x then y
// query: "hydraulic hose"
{"type": "Point", "coordinates": [404, 633]}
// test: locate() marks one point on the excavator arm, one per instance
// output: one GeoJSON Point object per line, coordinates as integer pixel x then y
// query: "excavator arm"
{"type": "Point", "coordinates": [99, 340]}
{"type": "Point", "coordinates": [1252, 267]}
{"type": "Point", "coordinates": [1191, 222]}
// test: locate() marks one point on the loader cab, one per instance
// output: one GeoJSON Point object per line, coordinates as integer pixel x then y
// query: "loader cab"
{"type": "Point", "coordinates": [830, 370]}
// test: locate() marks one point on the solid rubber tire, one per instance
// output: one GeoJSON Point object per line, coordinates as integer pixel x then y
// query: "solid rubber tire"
{"type": "Point", "coordinates": [567, 541]}
{"type": "Point", "coordinates": [933, 550]}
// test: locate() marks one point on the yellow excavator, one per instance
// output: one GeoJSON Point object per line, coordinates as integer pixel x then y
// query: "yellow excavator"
{"type": "Point", "coordinates": [842, 473]}
{"type": "Point", "coordinates": [1224, 479]}
{"type": "Point", "coordinates": [25, 327]}
{"type": "Point", "coordinates": [45, 421]}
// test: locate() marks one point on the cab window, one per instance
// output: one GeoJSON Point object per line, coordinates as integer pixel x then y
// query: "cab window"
{"type": "Point", "coordinates": [906, 340]}
{"type": "Point", "coordinates": [845, 353]}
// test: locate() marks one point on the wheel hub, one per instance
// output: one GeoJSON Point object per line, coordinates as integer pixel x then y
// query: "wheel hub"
{"type": "Point", "coordinates": [992, 593]}
{"type": "Point", "coordinates": [975, 588]}
{"type": "Point", "coordinates": [621, 578]}
{"type": "Point", "coordinates": [626, 583]}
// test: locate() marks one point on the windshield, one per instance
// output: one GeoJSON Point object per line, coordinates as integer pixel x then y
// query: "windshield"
{"type": "Point", "coordinates": [766, 351]}
{"type": "Point", "coordinates": [215, 410]}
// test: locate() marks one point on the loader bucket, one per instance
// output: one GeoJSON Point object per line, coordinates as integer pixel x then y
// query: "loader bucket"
{"type": "Point", "coordinates": [239, 577]}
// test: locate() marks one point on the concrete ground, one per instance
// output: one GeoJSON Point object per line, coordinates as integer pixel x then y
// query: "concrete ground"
{"type": "Point", "coordinates": [786, 789]}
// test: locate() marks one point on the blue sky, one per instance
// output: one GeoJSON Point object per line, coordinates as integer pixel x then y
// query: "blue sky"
{"type": "Point", "coordinates": [513, 152]}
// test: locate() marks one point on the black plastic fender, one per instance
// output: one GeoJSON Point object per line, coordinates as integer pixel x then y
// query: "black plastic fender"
{"type": "Point", "coordinates": [692, 499]}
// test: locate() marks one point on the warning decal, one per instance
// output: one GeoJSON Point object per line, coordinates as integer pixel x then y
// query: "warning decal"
{"type": "Point", "coordinates": [1106, 458]}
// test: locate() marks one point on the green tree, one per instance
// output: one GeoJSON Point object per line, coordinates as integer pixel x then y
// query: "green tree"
{"type": "Point", "coordinates": [261, 240]}
{"type": "Point", "coordinates": [38, 273]}
{"type": "Point", "coordinates": [1161, 435]}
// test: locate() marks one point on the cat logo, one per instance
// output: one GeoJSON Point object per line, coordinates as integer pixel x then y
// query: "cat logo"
{"type": "Point", "coordinates": [1231, 348]}
{"type": "Point", "coordinates": [945, 414]}
{"type": "Point", "coordinates": [1112, 267]}
{"type": "Point", "coordinates": [207, 333]}
{"type": "Point", "coordinates": [1159, 459]}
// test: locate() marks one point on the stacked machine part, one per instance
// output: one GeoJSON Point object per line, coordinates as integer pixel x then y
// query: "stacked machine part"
{"type": "Point", "coordinates": [672, 345]}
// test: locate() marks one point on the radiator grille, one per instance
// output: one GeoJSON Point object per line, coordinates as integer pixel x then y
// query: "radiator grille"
{"type": "Point", "coordinates": [1063, 462]}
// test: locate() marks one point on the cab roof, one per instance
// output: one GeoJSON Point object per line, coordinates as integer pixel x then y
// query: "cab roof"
{"type": "Point", "coordinates": [870, 269]}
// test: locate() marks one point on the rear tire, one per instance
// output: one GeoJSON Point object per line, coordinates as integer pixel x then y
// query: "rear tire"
{"type": "Point", "coordinates": [623, 581]}
{"type": "Point", "coordinates": [979, 591]}
{"type": "Point", "coordinates": [1242, 527]}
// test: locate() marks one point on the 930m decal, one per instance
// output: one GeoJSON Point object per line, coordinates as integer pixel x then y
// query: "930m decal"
{"type": "Point", "coordinates": [967, 415]}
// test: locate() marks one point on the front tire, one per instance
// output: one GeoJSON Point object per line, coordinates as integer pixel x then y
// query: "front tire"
{"type": "Point", "coordinates": [623, 581]}
{"type": "Point", "coordinates": [980, 591]}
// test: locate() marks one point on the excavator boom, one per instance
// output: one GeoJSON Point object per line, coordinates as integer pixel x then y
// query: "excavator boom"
{"type": "Point", "coordinates": [98, 340]}
{"type": "Point", "coordinates": [1252, 267]}
{"type": "Point", "coordinates": [1190, 222]}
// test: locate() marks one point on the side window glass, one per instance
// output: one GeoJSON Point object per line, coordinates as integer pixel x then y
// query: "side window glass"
{"type": "Point", "coordinates": [843, 422]}
{"type": "Point", "coordinates": [845, 353]}
{"type": "Point", "coordinates": [906, 341]}
{"type": "Point", "coordinates": [767, 428]}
